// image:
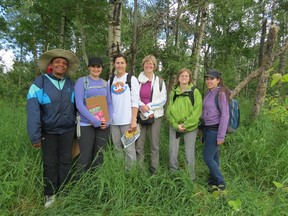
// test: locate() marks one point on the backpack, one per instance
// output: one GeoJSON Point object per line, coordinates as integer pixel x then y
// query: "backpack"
{"type": "Point", "coordinates": [128, 80]}
{"type": "Point", "coordinates": [86, 85]}
{"type": "Point", "coordinates": [234, 114]}
{"type": "Point", "coordinates": [189, 93]}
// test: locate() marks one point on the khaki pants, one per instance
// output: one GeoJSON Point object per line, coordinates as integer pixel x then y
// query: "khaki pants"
{"type": "Point", "coordinates": [154, 138]}
{"type": "Point", "coordinates": [130, 153]}
{"type": "Point", "coordinates": [189, 140]}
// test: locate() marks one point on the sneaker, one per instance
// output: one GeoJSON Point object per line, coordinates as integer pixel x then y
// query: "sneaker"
{"type": "Point", "coordinates": [49, 200]}
{"type": "Point", "coordinates": [221, 187]}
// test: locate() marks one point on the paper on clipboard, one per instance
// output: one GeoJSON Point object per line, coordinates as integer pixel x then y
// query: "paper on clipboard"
{"type": "Point", "coordinates": [128, 138]}
{"type": "Point", "coordinates": [98, 107]}
{"type": "Point", "coordinates": [147, 114]}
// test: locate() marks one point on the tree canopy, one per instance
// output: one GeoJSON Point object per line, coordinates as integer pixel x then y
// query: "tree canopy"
{"type": "Point", "coordinates": [226, 35]}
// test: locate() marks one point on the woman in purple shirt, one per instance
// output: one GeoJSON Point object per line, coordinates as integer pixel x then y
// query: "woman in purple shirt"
{"type": "Point", "coordinates": [94, 128]}
{"type": "Point", "coordinates": [215, 116]}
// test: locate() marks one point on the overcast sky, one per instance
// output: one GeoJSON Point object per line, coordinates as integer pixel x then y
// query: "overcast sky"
{"type": "Point", "coordinates": [6, 59]}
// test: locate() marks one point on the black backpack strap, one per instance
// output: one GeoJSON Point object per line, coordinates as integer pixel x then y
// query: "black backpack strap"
{"type": "Point", "coordinates": [128, 80]}
{"type": "Point", "coordinates": [191, 95]}
{"type": "Point", "coordinates": [111, 80]}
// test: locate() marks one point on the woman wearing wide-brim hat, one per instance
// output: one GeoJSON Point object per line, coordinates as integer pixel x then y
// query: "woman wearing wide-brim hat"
{"type": "Point", "coordinates": [51, 117]}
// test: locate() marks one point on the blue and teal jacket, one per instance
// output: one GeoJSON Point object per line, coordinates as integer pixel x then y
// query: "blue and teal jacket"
{"type": "Point", "coordinates": [50, 106]}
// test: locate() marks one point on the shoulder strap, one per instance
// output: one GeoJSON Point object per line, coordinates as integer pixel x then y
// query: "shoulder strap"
{"type": "Point", "coordinates": [174, 96]}
{"type": "Point", "coordinates": [191, 95]}
{"type": "Point", "coordinates": [128, 80]}
{"type": "Point", "coordinates": [86, 83]}
{"type": "Point", "coordinates": [160, 83]}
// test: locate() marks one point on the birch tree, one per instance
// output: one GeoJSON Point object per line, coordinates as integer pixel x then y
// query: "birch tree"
{"type": "Point", "coordinates": [114, 33]}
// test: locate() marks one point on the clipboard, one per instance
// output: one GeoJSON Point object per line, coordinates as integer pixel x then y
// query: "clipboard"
{"type": "Point", "coordinates": [96, 102]}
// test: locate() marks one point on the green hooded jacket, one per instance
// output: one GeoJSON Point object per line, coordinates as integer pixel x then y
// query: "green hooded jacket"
{"type": "Point", "coordinates": [181, 111]}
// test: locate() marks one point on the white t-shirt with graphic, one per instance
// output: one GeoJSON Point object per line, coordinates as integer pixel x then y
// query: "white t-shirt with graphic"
{"type": "Point", "coordinates": [123, 99]}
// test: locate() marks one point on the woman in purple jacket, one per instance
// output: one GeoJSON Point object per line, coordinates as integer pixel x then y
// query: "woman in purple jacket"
{"type": "Point", "coordinates": [94, 128]}
{"type": "Point", "coordinates": [215, 116]}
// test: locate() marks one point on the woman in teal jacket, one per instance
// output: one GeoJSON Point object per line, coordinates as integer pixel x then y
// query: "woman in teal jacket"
{"type": "Point", "coordinates": [183, 112]}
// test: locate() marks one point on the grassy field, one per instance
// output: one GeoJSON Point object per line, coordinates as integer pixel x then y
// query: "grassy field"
{"type": "Point", "coordinates": [253, 161]}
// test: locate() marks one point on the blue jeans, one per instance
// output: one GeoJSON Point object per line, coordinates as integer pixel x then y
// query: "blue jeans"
{"type": "Point", "coordinates": [211, 156]}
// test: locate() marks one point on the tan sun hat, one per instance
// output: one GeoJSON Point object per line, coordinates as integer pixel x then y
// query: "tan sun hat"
{"type": "Point", "coordinates": [46, 58]}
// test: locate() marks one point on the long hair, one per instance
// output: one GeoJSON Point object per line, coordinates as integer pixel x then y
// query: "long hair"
{"type": "Point", "coordinates": [224, 88]}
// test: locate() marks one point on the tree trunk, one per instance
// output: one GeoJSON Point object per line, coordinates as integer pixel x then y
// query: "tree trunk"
{"type": "Point", "coordinates": [176, 41]}
{"type": "Point", "coordinates": [62, 31]}
{"type": "Point", "coordinates": [258, 71]}
{"type": "Point", "coordinates": [114, 37]}
{"type": "Point", "coordinates": [282, 62]}
{"type": "Point", "coordinates": [267, 63]}
{"type": "Point", "coordinates": [134, 38]}
{"type": "Point", "coordinates": [198, 45]}
{"type": "Point", "coordinates": [35, 58]}
{"type": "Point", "coordinates": [262, 41]}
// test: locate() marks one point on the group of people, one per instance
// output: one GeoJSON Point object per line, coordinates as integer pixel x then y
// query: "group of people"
{"type": "Point", "coordinates": [53, 101]}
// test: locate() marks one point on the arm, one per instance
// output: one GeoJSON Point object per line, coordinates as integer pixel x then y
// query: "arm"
{"type": "Point", "coordinates": [109, 104]}
{"type": "Point", "coordinates": [135, 98]}
{"type": "Point", "coordinates": [193, 120]}
{"type": "Point", "coordinates": [158, 100]}
{"type": "Point", "coordinates": [224, 117]}
{"type": "Point", "coordinates": [33, 106]}
{"type": "Point", "coordinates": [170, 117]}
{"type": "Point", "coordinates": [80, 103]}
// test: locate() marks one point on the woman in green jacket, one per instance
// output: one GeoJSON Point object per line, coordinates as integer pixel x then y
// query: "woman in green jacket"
{"type": "Point", "coordinates": [183, 112]}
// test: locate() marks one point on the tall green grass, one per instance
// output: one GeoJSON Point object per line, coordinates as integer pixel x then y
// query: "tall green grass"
{"type": "Point", "coordinates": [251, 159]}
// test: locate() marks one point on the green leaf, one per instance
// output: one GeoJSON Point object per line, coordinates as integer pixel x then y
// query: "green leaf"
{"type": "Point", "coordinates": [236, 204]}
{"type": "Point", "coordinates": [277, 184]}
{"type": "Point", "coordinates": [275, 78]}
{"type": "Point", "coordinates": [286, 100]}
{"type": "Point", "coordinates": [284, 78]}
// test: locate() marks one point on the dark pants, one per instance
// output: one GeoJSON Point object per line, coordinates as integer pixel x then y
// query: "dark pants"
{"type": "Point", "coordinates": [92, 143]}
{"type": "Point", "coordinates": [211, 156]}
{"type": "Point", "coordinates": [57, 159]}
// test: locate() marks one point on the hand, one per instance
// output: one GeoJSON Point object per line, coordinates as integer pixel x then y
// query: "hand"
{"type": "Point", "coordinates": [144, 108]}
{"type": "Point", "coordinates": [37, 145]}
{"type": "Point", "coordinates": [103, 125]}
{"type": "Point", "coordinates": [133, 126]}
{"type": "Point", "coordinates": [220, 142]}
{"type": "Point", "coordinates": [181, 128]}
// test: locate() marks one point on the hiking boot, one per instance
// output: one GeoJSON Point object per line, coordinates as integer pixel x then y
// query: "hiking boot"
{"type": "Point", "coordinates": [49, 200]}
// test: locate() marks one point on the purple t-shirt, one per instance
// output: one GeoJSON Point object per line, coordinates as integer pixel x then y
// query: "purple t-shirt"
{"type": "Point", "coordinates": [145, 92]}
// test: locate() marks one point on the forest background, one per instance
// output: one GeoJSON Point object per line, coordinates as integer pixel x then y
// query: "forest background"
{"type": "Point", "coordinates": [244, 39]}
